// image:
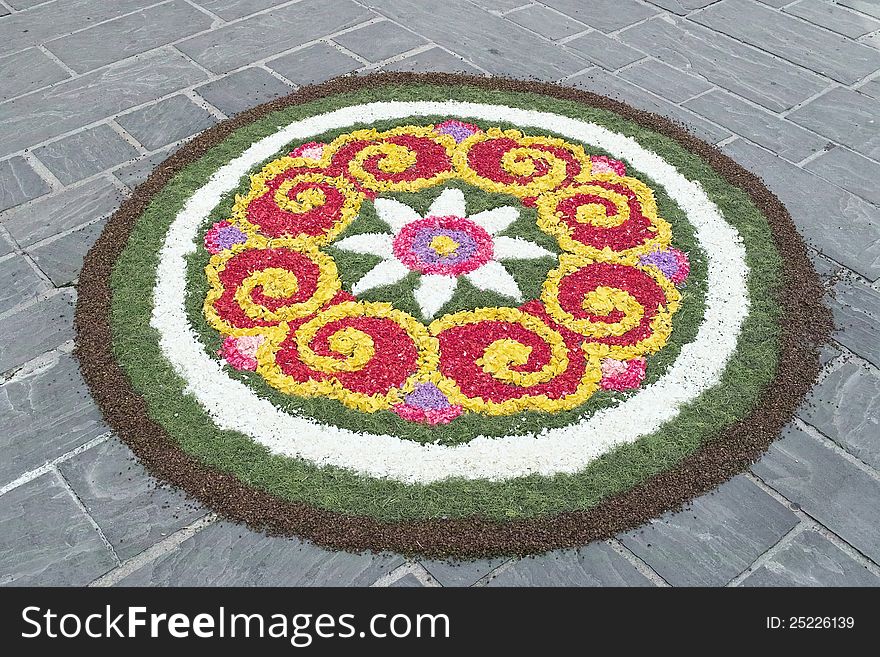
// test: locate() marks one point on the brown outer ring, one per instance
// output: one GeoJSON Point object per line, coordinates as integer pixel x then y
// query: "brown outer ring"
{"type": "Point", "coordinates": [806, 324]}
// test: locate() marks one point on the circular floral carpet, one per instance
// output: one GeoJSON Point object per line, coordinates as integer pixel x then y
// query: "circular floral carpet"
{"type": "Point", "coordinates": [447, 315]}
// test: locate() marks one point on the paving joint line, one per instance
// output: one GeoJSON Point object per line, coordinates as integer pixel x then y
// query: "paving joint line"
{"type": "Point", "coordinates": [28, 258]}
{"type": "Point", "coordinates": [413, 568]}
{"type": "Point", "coordinates": [277, 76]}
{"type": "Point", "coordinates": [30, 475]}
{"type": "Point", "coordinates": [43, 172]}
{"type": "Point", "coordinates": [126, 135]}
{"type": "Point", "coordinates": [149, 555]}
{"type": "Point", "coordinates": [218, 21]}
{"type": "Point", "coordinates": [835, 447]}
{"type": "Point", "coordinates": [805, 518]}
{"type": "Point", "coordinates": [48, 294]}
{"type": "Point", "coordinates": [91, 520]}
{"type": "Point", "coordinates": [171, 45]}
{"type": "Point", "coordinates": [412, 52]}
{"type": "Point", "coordinates": [500, 568]}
{"type": "Point", "coordinates": [768, 554]}
{"type": "Point", "coordinates": [204, 104]}
{"type": "Point", "coordinates": [51, 55]}
{"type": "Point", "coordinates": [637, 562]}
{"type": "Point", "coordinates": [82, 29]}
{"type": "Point", "coordinates": [722, 36]}
{"type": "Point", "coordinates": [350, 53]}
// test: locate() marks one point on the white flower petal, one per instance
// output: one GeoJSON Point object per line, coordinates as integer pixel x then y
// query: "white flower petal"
{"type": "Point", "coordinates": [514, 248]}
{"type": "Point", "coordinates": [450, 203]}
{"type": "Point", "coordinates": [493, 276]}
{"type": "Point", "coordinates": [394, 213]}
{"type": "Point", "coordinates": [385, 273]}
{"type": "Point", "coordinates": [494, 221]}
{"type": "Point", "coordinates": [372, 243]}
{"type": "Point", "coordinates": [433, 292]}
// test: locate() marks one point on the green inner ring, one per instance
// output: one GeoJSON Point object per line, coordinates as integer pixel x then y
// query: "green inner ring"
{"type": "Point", "coordinates": [135, 345]}
{"type": "Point", "coordinates": [469, 425]}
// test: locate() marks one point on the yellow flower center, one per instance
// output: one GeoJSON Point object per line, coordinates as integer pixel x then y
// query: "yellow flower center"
{"type": "Point", "coordinates": [597, 214]}
{"type": "Point", "coordinates": [503, 354]}
{"type": "Point", "coordinates": [305, 200]}
{"type": "Point", "coordinates": [444, 245]}
{"type": "Point", "coordinates": [277, 283]}
{"type": "Point", "coordinates": [357, 347]}
{"type": "Point", "coordinates": [604, 300]}
{"type": "Point", "coordinates": [397, 158]}
{"type": "Point", "coordinates": [519, 162]}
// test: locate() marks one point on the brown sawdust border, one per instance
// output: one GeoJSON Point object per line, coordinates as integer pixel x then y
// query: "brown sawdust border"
{"type": "Point", "coordinates": [805, 324]}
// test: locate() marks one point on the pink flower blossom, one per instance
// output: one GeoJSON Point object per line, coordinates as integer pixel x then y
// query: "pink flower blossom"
{"type": "Point", "coordinates": [622, 374]}
{"type": "Point", "coordinates": [605, 164]}
{"type": "Point", "coordinates": [311, 151]}
{"type": "Point", "coordinates": [241, 352]}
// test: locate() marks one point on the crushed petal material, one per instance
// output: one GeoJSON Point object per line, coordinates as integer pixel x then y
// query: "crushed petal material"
{"type": "Point", "coordinates": [612, 296]}
{"type": "Point", "coordinates": [622, 374]}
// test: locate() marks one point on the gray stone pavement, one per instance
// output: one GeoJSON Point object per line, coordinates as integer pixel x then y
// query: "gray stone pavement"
{"type": "Point", "coordinates": [94, 94]}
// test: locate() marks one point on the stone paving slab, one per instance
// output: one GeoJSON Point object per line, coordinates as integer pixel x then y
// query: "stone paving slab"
{"type": "Point", "coordinates": [833, 17]}
{"type": "Point", "coordinates": [77, 102]}
{"type": "Point", "coordinates": [813, 48]}
{"type": "Point", "coordinates": [752, 74]}
{"type": "Point", "coordinates": [604, 15]}
{"type": "Point", "coordinates": [837, 407]}
{"type": "Point", "coordinates": [132, 510]}
{"type": "Point", "coordinates": [242, 90]}
{"type": "Point", "coordinates": [869, 7]}
{"type": "Point", "coordinates": [849, 170]}
{"type": "Point", "coordinates": [665, 81]}
{"type": "Point", "coordinates": [84, 154]}
{"type": "Point", "coordinates": [90, 104]}
{"type": "Point", "coordinates": [830, 488]}
{"type": "Point", "coordinates": [715, 538]}
{"type": "Point", "coordinates": [461, 573]}
{"type": "Point", "coordinates": [407, 581]}
{"type": "Point", "coordinates": [597, 564]}
{"type": "Point", "coordinates": [848, 117]}
{"type": "Point", "coordinates": [45, 539]}
{"type": "Point", "coordinates": [602, 82]}
{"type": "Point", "coordinates": [232, 46]}
{"type": "Point", "coordinates": [6, 246]}
{"type": "Point", "coordinates": [138, 171]}
{"type": "Point", "coordinates": [604, 51]}
{"type": "Point", "coordinates": [435, 59]}
{"type": "Point", "coordinates": [35, 329]}
{"type": "Point", "coordinates": [832, 220]}
{"type": "Point", "coordinates": [489, 41]}
{"type": "Point", "coordinates": [811, 560]}
{"type": "Point", "coordinates": [227, 554]}
{"type": "Point", "coordinates": [167, 121]}
{"type": "Point", "coordinates": [26, 71]}
{"type": "Point", "coordinates": [40, 23]}
{"type": "Point", "coordinates": [313, 64]}
{"type": "Point", "coordinates": [379, 41]}
{"type": "Point", "coordinates": [19, 282]}
{"type": "Point", "coordinates": [19, 183]}
{"type": "Point", "coordinates": [784, 138]}
{"type": "Point", "coordinates": [45, 415]}
{"type": "Point", "coordinates": [129, 35]}
{"type": "Point", "coordinates": [61, 259]}
{"type": "Point", "coordinates": [63, 211]}
{"type": "Point", "coordinates": [856, 309]}
{"type": "Point", "coordinates": [546, 22]}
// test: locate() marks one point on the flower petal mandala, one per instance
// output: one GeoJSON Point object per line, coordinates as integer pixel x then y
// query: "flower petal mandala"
{"type": "Point", "coordinates": [448, 316]}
